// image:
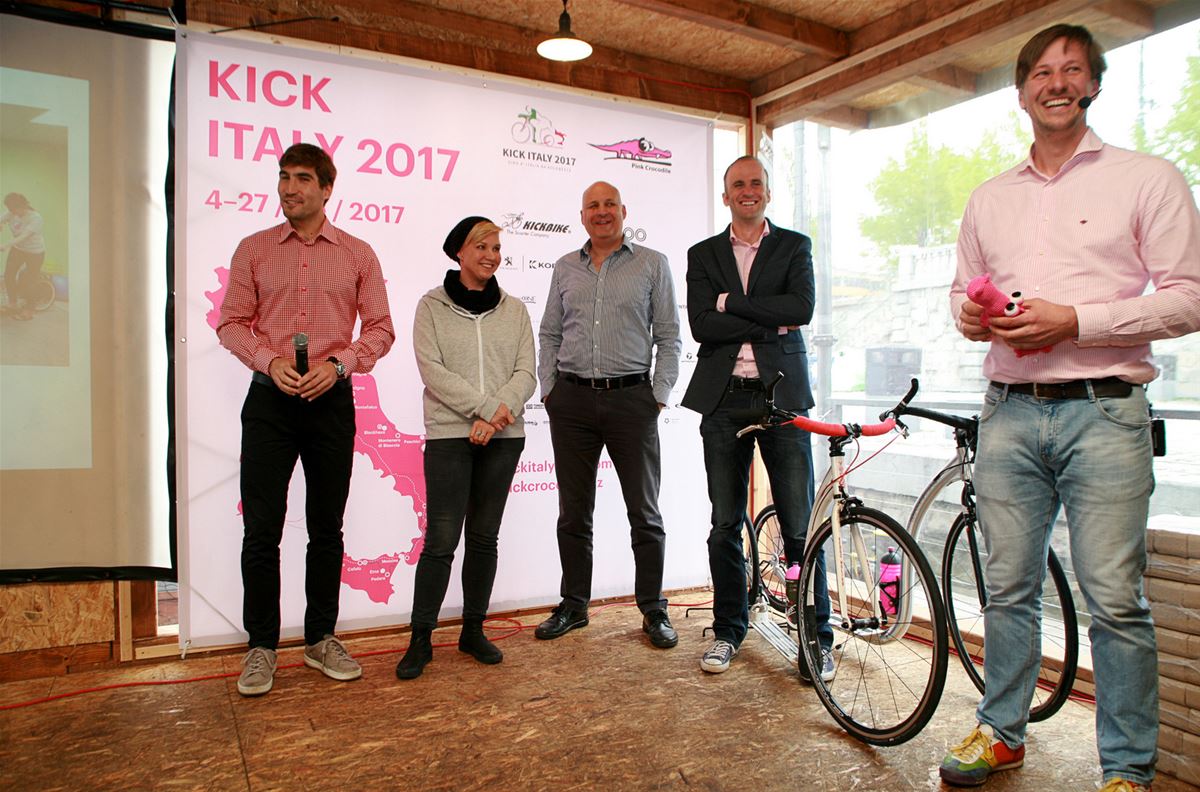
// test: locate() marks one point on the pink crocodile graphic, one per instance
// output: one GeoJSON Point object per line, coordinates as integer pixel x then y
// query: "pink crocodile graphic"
{"type": "Point", "coordinates": [639, 149]}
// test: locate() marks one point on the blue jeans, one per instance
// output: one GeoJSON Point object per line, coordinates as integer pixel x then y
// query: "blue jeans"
{"type": "Point", "coordinates": [1092, 457]}
{"type": "Point", "coordinates": [464, 483]}
{"type": "Point", "coordinates": [787, 455]}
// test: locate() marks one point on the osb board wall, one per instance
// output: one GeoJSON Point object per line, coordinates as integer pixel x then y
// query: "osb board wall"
{"type": "Point", "coordinates": [43, 615]}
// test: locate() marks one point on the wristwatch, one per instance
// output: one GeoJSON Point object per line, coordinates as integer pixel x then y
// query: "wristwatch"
{"type": "Point", "coordinates": [339, 367]}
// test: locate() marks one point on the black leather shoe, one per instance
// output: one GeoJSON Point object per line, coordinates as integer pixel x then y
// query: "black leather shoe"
{"type": "Point", "coordinates": [657, 625]}
{"type": "Point", "coordinates": [561, 621]}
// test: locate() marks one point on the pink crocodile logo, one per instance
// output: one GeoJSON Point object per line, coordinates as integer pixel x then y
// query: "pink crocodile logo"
{"type": "Point", "coordinates": [638, 149]}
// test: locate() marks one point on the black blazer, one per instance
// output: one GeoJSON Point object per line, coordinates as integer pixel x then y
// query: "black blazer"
{"type": "Point", "coordinates": [780, 294]}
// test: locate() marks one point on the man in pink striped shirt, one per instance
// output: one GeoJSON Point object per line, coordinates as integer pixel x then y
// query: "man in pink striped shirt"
{"type": "Point", "coordinates": [1082, 229]}
{"type": "Point", "coordinates": [301, 277]}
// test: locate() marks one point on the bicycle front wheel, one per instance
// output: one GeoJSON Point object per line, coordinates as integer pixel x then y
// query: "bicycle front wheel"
{"type": "Point", "coordinates": [889, 645]}
{"type": "Point", "coordinates": [965, 595]}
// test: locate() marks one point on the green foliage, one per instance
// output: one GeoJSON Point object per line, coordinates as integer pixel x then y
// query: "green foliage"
{"type": "Point", "coordinates": [921, 197]}
{"type": "Point", "coordinates": [1179, 139]}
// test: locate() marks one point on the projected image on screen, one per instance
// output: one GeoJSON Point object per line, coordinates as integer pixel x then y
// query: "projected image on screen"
{"type": "Point", "coordinates": [34, 229]}
{"type": "Point", "coordinates": [45, 360]}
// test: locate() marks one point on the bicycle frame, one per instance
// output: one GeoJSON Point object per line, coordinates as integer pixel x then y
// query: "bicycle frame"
{"type": "Point", "coordinates": [832, 507]}
{"type": "Point", "coordinates": [831, 499]}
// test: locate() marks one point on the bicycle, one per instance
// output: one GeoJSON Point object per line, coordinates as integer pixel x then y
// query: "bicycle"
{"type": "Point", "coordinates": [963, 559]}
{"type": "Point", "coordinates": [883, 690]}
{"type": "Point", "coordinates": [41, 295]}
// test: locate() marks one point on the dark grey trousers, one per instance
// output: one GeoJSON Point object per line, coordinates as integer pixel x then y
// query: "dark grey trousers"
{"type": "Point", "coordinates": [583, 422]}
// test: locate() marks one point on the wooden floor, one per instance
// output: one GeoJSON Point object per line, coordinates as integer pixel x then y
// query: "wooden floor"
{"type": "Point", "coordinates": [596, 709]}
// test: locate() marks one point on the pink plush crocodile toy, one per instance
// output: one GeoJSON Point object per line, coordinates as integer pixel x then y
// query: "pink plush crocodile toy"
{"type": "Point", "coordinates": [994, 302]}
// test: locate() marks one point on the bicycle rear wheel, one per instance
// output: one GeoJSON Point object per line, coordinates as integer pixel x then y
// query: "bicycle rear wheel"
{"type": "Point", "coordinates": [769, 541]}
{"type": "Point", "coordinates": [750, 555]}
{"type": "Point", "coordinates": [965, 595]}
{"type": "Point", "coordinates": [889, 668]}
{"type": "Point", "coordinates": [41, 293]}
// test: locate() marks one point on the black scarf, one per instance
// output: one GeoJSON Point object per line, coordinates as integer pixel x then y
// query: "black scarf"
{"type": "Point", "coordinates": [475, 302]}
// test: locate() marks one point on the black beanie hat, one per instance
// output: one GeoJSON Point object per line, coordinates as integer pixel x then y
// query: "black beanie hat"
{"type": "Point", "coordinates": [458, 235]}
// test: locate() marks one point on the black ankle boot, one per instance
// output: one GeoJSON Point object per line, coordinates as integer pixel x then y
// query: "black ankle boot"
{"type": "Point", "coordinates": [475, 643]}
{"type": "Point", "coordinates": [420, 652]}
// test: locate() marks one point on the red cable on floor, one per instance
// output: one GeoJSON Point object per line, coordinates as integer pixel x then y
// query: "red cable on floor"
{"type": "Point", "coordinates": [514, 627]}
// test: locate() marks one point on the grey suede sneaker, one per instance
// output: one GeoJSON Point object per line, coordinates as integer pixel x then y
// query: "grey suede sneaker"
{"type": "Point", "coordinates": [331, 658]}
{"type": "Point", "coordinates": [258, 672]}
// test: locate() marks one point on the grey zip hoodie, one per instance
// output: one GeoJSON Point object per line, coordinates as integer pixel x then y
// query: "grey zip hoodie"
{"type": "Point", "coordinates": [472, 363]}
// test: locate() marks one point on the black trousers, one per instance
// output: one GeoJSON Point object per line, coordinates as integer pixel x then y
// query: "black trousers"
{"type": "Point", "coordinates": [583, 422]}
{"type": "Point", "coordinates": [465, 485]}
{"type": "Point", "coordinates": [21, 273]}
{"type": "Point", "coordinates": [278, 429]}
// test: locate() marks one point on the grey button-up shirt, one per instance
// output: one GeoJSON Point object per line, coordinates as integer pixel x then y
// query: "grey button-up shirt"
{"type": "Point", "coordinates": [605, 324]}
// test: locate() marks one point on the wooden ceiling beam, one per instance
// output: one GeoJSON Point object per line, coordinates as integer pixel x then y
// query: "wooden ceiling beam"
{"type": "Point", "coordinates": [789, 73]}
{"type": "Point", "coordinates": [837, 85]}
{"type": "Point", "coordinates": [845, 117]}
{"type": "Point", "coordinates": [1133, 19]}
{"type": "Point", "coordinates": [757, 22]}
{"type": "Point", "coordinates": [894, 31]}
{"type": "Point", "coordinates": [607, 70]}
{"type": "Point", "coordinates": [950, 80]}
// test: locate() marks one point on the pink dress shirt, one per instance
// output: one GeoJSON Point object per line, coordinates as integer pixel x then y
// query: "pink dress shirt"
{"type": "Point", "coordinates": [744, 253]}
{"type": "Point", "coordinates": [1093, 236]}
{"type": "Point", "coordinates": [280, 285]}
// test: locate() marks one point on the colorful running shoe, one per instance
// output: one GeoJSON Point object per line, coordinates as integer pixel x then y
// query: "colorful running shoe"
{"type": "Point", "coordinates": [974, 759]}
{"type": "Point", "coordinates": [1123, 785]}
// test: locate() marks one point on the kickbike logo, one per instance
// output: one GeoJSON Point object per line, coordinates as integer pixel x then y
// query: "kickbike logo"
{"type": "Point", "coordinates": [539, 143]}
{"type": "Point", "coordinates": [518, 224]}
{"type": "Point", "coordinates": [640, 153]}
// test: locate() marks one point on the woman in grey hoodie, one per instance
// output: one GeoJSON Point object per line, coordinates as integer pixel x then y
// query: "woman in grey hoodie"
{"type": "Point", "coordinates": [474, 347]}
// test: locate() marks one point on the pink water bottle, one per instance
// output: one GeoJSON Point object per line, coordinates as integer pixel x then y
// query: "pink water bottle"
{"type": "Point", "coordinates": [889, 582]}
{"type": "Point", "coordinates": [791, 588]}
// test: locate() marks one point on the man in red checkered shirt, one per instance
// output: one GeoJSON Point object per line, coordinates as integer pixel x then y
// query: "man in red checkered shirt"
{"type": "Point", "coordinates": [303, 276]}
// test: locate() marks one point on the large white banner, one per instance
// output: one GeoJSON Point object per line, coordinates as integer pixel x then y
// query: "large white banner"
{"type": "Point", "coordinates": [416, 151]}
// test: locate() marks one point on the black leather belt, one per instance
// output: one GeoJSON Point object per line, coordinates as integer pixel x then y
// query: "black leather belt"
{"type": "Point", "coordinates": [745, 383]}
{"type": "Point", "coordinates": [263, 379]}
{"type": "Point", "coordinates": [607, 383]}
{"type": "Point", "coordinates": [1076, 389]}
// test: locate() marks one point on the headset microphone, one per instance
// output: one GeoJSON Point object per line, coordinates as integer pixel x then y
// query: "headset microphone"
{"type": "Point", "coordinates": [1086, 101]}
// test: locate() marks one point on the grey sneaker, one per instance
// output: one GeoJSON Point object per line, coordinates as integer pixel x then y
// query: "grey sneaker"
{"type": "Point", "coordinates": [331, 658]}
{"type": "Point", "coordinates": [828, 670]}
{"type": "Point", "coordinates": [716, 659]}
{"type": "Point", "coordinates": [258, 672]}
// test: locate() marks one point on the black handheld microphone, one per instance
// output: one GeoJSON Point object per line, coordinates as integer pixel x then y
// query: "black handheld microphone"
{"type": "Point", "coordinates": [1086, 101]}
{"type": "Point", "coordinates": [300, 344]}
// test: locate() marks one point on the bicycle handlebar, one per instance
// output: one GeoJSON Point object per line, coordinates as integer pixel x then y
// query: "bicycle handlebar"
{"type": "Point", "coordinates": [903, 408]}
{"type": "Point", "coordinates": [843, 430]}
{"type": "Point", "coordinates": [953, 421]}
{"type": "Point", "coordinates": [784, 418]}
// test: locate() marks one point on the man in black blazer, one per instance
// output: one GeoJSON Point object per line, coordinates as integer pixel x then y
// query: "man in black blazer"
{"type": "Point", "coordinates": [750, 289]}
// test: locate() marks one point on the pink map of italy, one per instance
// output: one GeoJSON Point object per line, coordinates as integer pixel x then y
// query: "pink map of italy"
{"type": "Point", "coordinates": [394, 454]}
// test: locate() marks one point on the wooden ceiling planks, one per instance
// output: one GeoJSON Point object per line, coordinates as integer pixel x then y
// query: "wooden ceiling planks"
{"type": "Point", "coordinates": [790, 59]}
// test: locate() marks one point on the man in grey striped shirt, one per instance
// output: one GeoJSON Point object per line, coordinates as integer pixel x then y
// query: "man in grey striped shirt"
{"type": "Point", "coordinates": [610, 309]}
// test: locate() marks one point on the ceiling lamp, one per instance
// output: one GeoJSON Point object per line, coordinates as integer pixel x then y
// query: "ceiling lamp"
{"type": "Point", "coordinates": [565, 46]}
